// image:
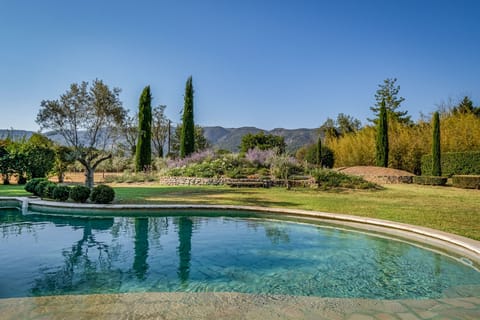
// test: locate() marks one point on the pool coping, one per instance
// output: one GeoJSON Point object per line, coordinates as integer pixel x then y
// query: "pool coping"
{"type": "Point", "coordinates": [452, 242]}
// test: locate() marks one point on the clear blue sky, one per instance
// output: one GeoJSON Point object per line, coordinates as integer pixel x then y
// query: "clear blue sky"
{"type": "Point", "coordinates": [264, 63]}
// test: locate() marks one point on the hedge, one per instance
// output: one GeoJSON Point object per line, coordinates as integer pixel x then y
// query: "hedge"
{"type": "Point", "coordinates": [102, 194]}
{"type": "Point", "coordinates": [466, 182]}
{"type": "Point", "coordinates": [430, 180]}
{"type": "Point", "coordinates": [454, 163]}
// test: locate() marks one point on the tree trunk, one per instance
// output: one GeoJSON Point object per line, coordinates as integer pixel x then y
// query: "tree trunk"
{"type": "Point", "coordinates": [89, 171]}
{"type": "Point", "coordinates": [61, 176]}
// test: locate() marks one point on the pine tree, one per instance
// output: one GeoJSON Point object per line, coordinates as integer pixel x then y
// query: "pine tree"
{"type": "Point", "coordinates": [382, 137]}
{"type": "Point", "coordinates": [387, 93]}
{"type": "Point", "coordinates": [436, 164]}
{"type": "Point", "coordinates": [187, 137]}
{"type": "Point", "coordinates": [143, 154]}
{"type": "Point", "coordinates": [319, 151]}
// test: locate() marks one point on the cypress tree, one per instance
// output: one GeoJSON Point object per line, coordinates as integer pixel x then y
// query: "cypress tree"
{"type": "Point", "coordinates": [143, 154]}
{"type": "Point", "coordinates": [436, 159]}
{"type": "Point", "coordinates": [382, 137]}
{"type": "Point", "coordinates": [319, 151]}
{"type": "Point", "coordinates": [187, 137]}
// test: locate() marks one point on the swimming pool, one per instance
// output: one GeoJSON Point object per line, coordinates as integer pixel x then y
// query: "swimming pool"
{"type": "Point", "coordinates": [43, 255]}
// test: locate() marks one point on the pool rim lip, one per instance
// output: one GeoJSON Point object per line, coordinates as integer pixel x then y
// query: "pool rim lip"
{"type": "Point", "coordinates": [460, 245]}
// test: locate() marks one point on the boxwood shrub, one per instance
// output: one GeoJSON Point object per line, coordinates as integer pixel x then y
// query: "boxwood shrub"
{"type": "Point", "coordinates": [466, 182]}
{"type": "Point", "coordinates": [32, 184]}
{"type": "Point", "coordinates": [61, 193]}
{"type": "Point", "coordinates": [454, 163]}
{"type": "Point", "coordinates": [102, 194]}
{"type": "Point", "coordinates": [40, 189]}
{"type": "Point", "coordinates": [430, 180]}
{"type": "Point", "coordinates": [80, 193]}
{"type": "Point", "coordinates": [48, 191]}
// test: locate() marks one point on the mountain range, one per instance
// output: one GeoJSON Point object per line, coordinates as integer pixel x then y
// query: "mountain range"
{"type": "Point", "coordinates": [218, 137]}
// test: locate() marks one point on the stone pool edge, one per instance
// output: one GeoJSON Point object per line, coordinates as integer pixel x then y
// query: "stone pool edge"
{"type": "Point", "coordinates": [458, 244]}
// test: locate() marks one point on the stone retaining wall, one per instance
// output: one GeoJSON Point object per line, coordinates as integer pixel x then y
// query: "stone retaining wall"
{"type": "Point", "coordinates": [194, 181]}
{"type": "Point", "coordinates": [388, 179]}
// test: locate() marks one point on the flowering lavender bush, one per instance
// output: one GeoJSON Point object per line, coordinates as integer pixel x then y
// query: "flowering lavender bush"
{"type": "Point", "coordinates": [260, 157]}
{"type": "Point", "coordinates": [195, 157]}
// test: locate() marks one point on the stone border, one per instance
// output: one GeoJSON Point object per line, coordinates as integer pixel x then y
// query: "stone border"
{"type": "Point", "coordinates": [461, 246]}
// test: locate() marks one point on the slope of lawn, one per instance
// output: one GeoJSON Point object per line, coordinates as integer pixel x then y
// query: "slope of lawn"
{"type": "Point", "coordinates": [443, 208]}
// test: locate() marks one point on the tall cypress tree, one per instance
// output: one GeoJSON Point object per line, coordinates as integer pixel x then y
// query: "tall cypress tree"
{"type": "Point", "coordinates": [319, 151]}
{"type": "Point", "coordinates": [143, 154]}
{"type": "Point", "coordinates": [187, 137]}
{"type": "Point", "coordinates": [382, 137]}
{"type": "Point", "coordinates": [436, 159]}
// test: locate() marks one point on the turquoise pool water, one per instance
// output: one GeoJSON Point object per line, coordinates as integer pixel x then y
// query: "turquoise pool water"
{"type": "Point", "coordinates": [50, 255]}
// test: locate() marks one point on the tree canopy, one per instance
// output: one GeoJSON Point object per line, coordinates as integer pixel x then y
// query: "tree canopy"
{"type": "Point", "coordinates": [85, 116]}
{"type": "Point", "coordinates": [387, 93]}
{"type": "Point", "coordinates": [262, 141]}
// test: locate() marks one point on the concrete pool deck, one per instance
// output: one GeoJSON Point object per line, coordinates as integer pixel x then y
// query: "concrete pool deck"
{"type": "Point", "coordinates": [459, 303]}
{"type": "Point", "coordinates": [232, 306]}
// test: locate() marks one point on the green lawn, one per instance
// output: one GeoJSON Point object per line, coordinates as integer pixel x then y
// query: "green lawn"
{"type": "Point", "coordinates": [443, 208]}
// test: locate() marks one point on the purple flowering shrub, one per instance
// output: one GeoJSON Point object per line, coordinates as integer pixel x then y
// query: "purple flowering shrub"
{"type": "Point", "coordinates": [260, 157]}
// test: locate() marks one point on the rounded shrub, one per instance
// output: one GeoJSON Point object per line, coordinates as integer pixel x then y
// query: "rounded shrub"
{"type": "Point", "coordinates": [32, 184]}
{"type": "Point", "coordinates": [61, 193]}
{"type": "Point", "coordinates": [40, 189]}
{"type": "Point", "coordinates": [102, 194]}
{"type": "Point", "coordinates": [48, 191]}
{"type": "Point", "coordinates": [80, 194]}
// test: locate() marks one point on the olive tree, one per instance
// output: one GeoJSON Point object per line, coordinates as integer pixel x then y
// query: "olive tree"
{"type": "Point", "coordinates": [85, 116]}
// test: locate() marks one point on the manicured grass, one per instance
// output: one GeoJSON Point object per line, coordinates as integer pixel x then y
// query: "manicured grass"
{"type": "Point", "coordinates": [13, 190]}
{"type": "Point", "coordinates": [443, 208]}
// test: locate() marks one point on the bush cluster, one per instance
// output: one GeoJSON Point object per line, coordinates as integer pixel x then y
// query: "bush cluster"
{"type": "Point", "coordinates": [466, 182]}
{"type": "Point", "coordinates": [328, 179]}
{"type": "Point", "coordinates": [430, 180]}
{"type": "Point", "coordinates": [47, 189]}
{"type": "Point", "coordinates": [31, 185]}
{"type": "Point", "coordinates": [454, 163]}
{"type": "Point", "coordinates": [102, 194]}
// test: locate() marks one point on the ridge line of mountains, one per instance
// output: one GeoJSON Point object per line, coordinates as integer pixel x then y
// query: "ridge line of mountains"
{"type": "Point", "coordinates": [218, 137]}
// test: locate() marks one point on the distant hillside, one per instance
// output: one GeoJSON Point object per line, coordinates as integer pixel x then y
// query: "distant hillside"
{"type": "Point", "coordinates": [15, 134]}
{"type": "Point", "coordinates": [230, 138]}
{"type": "Point", "coordinates": [219, 137]}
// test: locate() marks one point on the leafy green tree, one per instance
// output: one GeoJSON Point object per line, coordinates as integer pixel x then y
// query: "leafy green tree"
{"type": "Point", "coordinates": [5, 162]}
{"type": "Point", "coordinates": [64, 157]}
{"type": "Point", "coordinates": [309, 153]}
{"type": "Point", "coordinates": [187, 138]}
{"type": "Point", "coordinates": [436, 158]}
{"type": "Point", "coordinates": [387, 94]}
{"type": "Point", "coordinates": [344, 124]}
{"type": "Point", "coordinates": [382, 138]}
{"type": "Point", "coordinates": [465, 106]}
{"type": "Point", "coordinates": [39, 156]}
{"type": "Point", "coordinates": [262, 141]}
{"type": "Point", "coordinates": [347, 124]}
{"type": "Point", "coordinates": [95, 110]}
{"type": "Point", "coordinates": [143, 156]}
{"type": "Point", "coordinates": [159, 129]}
{"type": "Point", "coordinates": [128, 133]}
